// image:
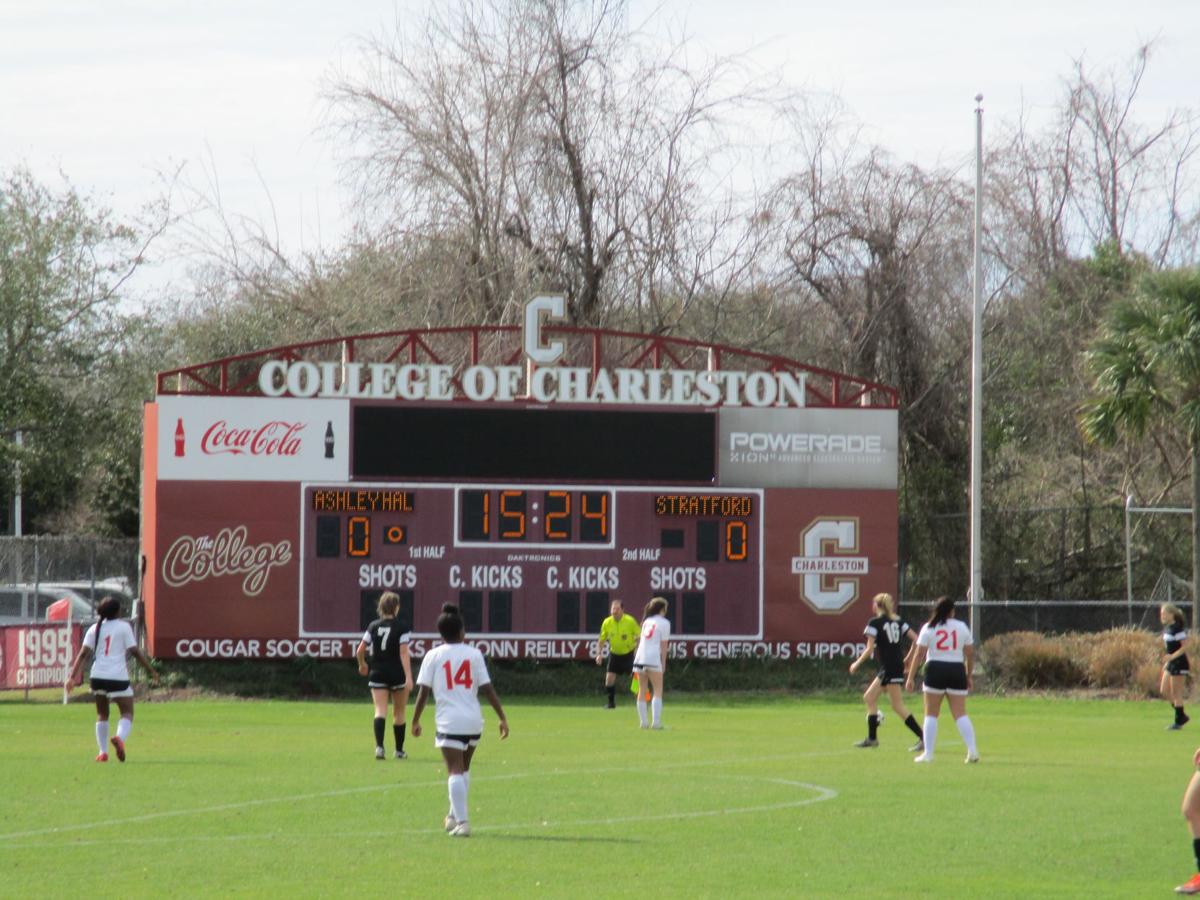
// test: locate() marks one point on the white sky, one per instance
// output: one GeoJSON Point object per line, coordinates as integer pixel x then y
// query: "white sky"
{"type": "Point", "coordinates": [112, 92]}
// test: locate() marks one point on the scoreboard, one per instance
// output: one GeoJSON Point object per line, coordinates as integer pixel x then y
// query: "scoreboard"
{"type": "Point", "coordinates": [532, 497]}
{"type": "Point", "coordinates": [530, 559]}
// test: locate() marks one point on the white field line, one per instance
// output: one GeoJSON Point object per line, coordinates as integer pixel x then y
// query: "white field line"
{"type": "Point", "coordinates": [341, 792]}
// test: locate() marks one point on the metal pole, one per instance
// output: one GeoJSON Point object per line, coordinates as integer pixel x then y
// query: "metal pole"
{"type": "Point", "coordinates": [1128, 559]}
{"type": "Point", "coordinates": [977, 386]}
{"type": "Point", "coordinates": [19, 441]}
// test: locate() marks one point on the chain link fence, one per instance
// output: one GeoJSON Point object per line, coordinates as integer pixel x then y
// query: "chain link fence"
{"type": "Point", "coordinates": [37, 571]}
{"type": "Point", "coordinates": [1051, 569]}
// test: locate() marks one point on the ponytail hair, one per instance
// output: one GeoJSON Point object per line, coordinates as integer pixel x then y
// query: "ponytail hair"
{"type": "Point", "coordinates": [656, 607]}
{"type": "Point", "coordinates": [1176, 614]}
{"type": "Point", "coordinates": [943, 609]}
{"type": "Point", "coordinates": [886, 604]}
{"type": "Point", "coordinates": [450, 624]}
{"type": "Point", "coordinates": [108, 608]}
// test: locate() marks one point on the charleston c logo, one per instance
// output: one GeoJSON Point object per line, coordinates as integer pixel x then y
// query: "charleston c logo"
{"type": "Point", "coordinates": [830, 568]}
{"type": "Point", "coordinates": [554, 308]}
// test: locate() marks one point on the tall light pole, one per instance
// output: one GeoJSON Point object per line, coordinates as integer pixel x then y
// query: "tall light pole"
{"type": "Point", "coordinates": [977, 386]}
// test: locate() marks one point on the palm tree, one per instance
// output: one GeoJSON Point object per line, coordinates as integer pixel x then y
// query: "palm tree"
{"type": "Point", "coordinates": [1146, 363]}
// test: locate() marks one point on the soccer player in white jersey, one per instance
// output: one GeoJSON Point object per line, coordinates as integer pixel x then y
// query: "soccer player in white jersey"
{"type": "Point", "coordinates": [455, 673]}
{"type": "Point", "coordinates": [947, 644]}
{"type": "Point", "coordinates": [109, 641]}
{"type": "Point", "coordinates": [650, 661]}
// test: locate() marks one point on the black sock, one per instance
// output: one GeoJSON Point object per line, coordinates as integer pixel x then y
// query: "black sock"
{"type": "Point", "coordinates": [914, 727]}
{"type": "Point", "coordinates": [1196, 851]}
{"type": "Point", "coordinates": [379, 721]}
{"type": "Point", "coordinates": [872, 726]}
{"type": "Point", "coordinates": [398, 733]}
{"type": "Point", "coordinates": [612, 694]}
{"type": "Point", "coordinates": [1179, 714]}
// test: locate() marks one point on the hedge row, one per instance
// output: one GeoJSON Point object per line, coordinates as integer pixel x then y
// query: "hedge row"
{"type": "Point", "coordinates": [1124, 659]}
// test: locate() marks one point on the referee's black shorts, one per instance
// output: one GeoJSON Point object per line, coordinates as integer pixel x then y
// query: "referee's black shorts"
{"type": "Point", "coordinates": [621, 663]}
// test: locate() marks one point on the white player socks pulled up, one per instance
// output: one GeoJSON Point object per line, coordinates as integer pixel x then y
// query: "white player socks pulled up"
{"type": "Point", "coordinates": [656, 711]}
{"type": "Point", "coordinates": [641, 708]}
{"type": "Point", "coordinates": [123, 728]}
{"type": "Point", "coordinates": [458, 797]}
{"type": "Point", "coordinates": [931, 725]}
{"type": "Point", "coordinates": [967, 730]}
{"type": "Point", "coordinates": [102, 736]}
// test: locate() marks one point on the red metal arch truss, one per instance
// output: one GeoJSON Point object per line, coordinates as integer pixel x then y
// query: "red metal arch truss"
{"type": "Point", "coordinates": [471, 345]}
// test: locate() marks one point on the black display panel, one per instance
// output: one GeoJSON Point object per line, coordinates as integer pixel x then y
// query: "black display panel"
{"type": "Point", "coordinates": [534, 444]}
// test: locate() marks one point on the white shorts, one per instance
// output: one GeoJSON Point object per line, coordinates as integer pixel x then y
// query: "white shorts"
{"type": "Point", "coordinates": [642, 667]}
{"type": "Point", "coordinates": [456, 741]}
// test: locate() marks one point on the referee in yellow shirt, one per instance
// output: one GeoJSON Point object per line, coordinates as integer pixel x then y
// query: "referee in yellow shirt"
{"type": "Point", "coordinates": [621, 632]}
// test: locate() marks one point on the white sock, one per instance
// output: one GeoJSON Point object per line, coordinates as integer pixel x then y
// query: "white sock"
{"type": "Point", "coordinates": [641, 707]}
{"type": "Point", "coordinates": [458, 797]}
{"type": "Point", "coordinates": [467, 779]}
{"type": "Point", "coordinates": [930, 734]}
{"type": "Point", "coordinates": [656, 710]}
{"type": "Point", "coordinates": [967, 730]}
{"type": "Point", "coordinates": [102, 736]}
{"type": "Point", "coordinates": [123, 728]}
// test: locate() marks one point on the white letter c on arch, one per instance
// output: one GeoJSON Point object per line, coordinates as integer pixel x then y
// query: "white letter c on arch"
{"type": "Point", "coordinates": [554, 308]}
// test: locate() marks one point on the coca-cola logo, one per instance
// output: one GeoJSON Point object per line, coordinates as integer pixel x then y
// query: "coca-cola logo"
{"type": "Point", "coordinates": [201, 557]}
{"type": "Point", "coordinates": [277, 438]}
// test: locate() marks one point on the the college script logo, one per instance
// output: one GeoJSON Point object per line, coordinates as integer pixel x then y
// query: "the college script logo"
{"type": "Point", "coordinates": [228, 552]}
{"type": "Point", "coordinates": [831, 567]}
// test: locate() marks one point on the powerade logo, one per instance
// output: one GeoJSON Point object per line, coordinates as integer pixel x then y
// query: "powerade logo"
{"type": "Point", "coordinates": [801, 447]}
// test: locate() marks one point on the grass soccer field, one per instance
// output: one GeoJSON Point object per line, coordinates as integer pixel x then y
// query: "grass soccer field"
{"type": "Point", "coordinates": [736, 797]}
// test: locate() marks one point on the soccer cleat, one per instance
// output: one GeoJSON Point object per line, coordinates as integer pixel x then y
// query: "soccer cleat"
{"type": "Point", "coordinates": [657, 727]}
{"type": "Point", "coordinates": [867, 742]}
{"type": "Point", "coordinates": [972, 758]}
{"type": "Point", "coordinates": [1175, 726]}
{"type": "Point", "coordinates": [918, 747]}
{"type": "Point", "coordinates": [610, 706]}
{"type": "Point", "coordinates": [1184, 719]}
{"type": "Point", "coordinates": [120, 746]}
{"type": "Point", "coordinates": [462, 829]}
{"type": "Point", "coordinates": [1190, 887]}
{"type": "Point", "coordinates": [379, 754]}
{"type": "Point", "coordinates": [450, 823]}
{"type": "Point", "coordinates": [400, 754]}
{"type": "Point", "coordinates": [102, 757]}
{"type": "Point", "coordinates": [923, 758]}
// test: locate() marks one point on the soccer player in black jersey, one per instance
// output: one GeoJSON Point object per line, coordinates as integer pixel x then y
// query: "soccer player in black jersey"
{"type": "Point", "coordinates": [884, 633]}
{"type": "Point", "coordinates": [390, 672]}
{"type": "Point", "coordinates": [1173, 684]}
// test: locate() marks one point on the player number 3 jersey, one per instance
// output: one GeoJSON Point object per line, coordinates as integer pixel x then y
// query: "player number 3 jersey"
{"type": "Point", "coordinates": [454, 673]}
{"type": "Point", "coordinates": [655, 632]}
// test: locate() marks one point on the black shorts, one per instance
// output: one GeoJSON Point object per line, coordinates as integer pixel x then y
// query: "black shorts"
{"type": "Point", "coordinates": [621, 663]}
{"type": "Point", "coordinates": [383, 679]}
{"type": "Point", "coordinates": [110, 688]}
{"type": "Point", "coordinates": [945, 677]}
{"type": "Point", "coordinates": [1178, 666]}
{"type": "Point", "coordinates": [889, 675]}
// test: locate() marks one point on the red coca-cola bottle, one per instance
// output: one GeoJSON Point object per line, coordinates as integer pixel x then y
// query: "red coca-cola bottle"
{"type": "Point", "coordinates": [179, 437]}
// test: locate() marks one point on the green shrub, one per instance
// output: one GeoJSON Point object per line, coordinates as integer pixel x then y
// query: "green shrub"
{"type": "Point", "coordinates": [1116, 657]}
{"type": "Point", "coordinates": [1027, 659]}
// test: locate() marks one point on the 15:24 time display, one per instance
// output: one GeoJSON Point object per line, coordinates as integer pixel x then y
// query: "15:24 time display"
{"type": "Point", "coordinates": [552, 516]}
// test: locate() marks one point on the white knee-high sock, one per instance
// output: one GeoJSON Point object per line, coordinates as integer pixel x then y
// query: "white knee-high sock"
{"type": "Point", "coordinates": [458, 797]}
{"type": "Point", "coordinates": [967, 730]}
{"type": "Point", "coordinates": [930, 734]}
{"type": "Point", "coordinates": [102, 736]}
{"type": "Point", "coordinates": [123, 728]}
{"type": "Point", "coordinates": [656, 710]}
{"type": "Point", "coordinates": [641, 708]}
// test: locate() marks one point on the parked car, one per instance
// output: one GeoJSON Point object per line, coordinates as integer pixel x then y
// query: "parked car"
{"type": "Point", "coordinates": [21, 604]}
{"type": "Point", "coordinates": [95, 591]}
